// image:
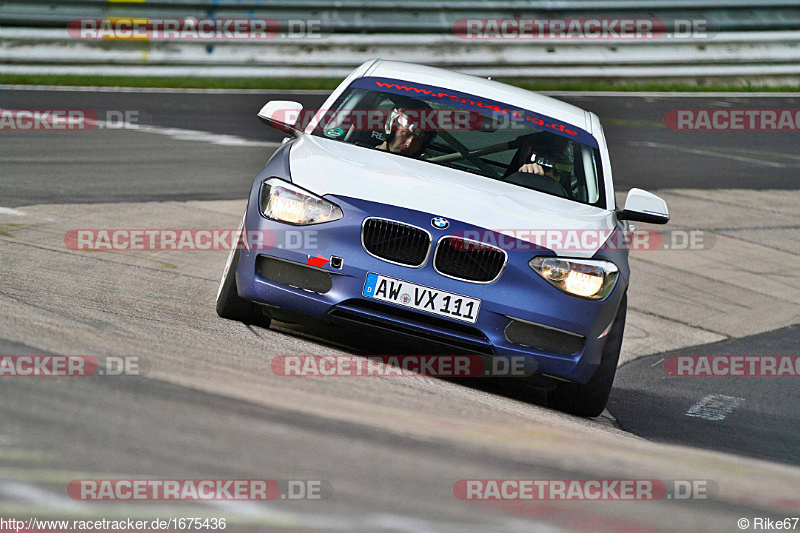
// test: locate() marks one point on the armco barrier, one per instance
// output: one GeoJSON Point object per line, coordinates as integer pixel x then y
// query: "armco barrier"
{"type": "Point", "coordinates": [749, 40]}
{"type": "Point", "coordinates": [732, 54]}
{"type": "Point", "coordinates": [421, 16]}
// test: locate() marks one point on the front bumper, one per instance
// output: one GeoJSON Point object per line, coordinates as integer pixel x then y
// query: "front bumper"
{"type": "Point", "coordinates": [519, 293]}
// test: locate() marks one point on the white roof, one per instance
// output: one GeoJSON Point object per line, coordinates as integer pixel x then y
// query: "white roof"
{"type": "Point", "coordinates": [484, 88]}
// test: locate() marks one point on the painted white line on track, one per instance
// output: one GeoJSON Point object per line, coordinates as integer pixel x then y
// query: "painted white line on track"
{"type": "Point", "coordinates": [15, 212]}
{"type": "Point", "coordinates": [190, 135]}
{"type": "Point", "coordinates": [714, 407]}
{"type": "Point", "coordinates": [27, 492]}
{"type": "Point", "coordinates": [706, 152]}
{"type": "Point", "coordinates": [244, 508]}
{"type": "Point", "coordinates": [270, 515]}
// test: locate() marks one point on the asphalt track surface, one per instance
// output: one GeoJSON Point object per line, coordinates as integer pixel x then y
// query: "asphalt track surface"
{"type": "Point", "coordinates": [644, 152]}
{"type": "Point", "coordinates": [391, 449]}
{"type": "Point", "coordinates": [648, 402]}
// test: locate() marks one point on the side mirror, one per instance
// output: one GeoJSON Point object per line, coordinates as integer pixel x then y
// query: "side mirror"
{"type": "Point", "coordinates": [282, 115]}
{"type": "Point", "coordinates": [642, 206]}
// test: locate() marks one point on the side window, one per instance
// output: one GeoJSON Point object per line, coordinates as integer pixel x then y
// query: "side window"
{"type": "Point", "coordinates": [592, 173]}
{"type": "Point", "coordinates": [349, 101]}
{"type": "Point", "coordinates": [578, 182]}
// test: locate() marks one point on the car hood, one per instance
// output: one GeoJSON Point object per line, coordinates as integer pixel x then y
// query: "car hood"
{"type": "Point", "coordinates": [327, 167]}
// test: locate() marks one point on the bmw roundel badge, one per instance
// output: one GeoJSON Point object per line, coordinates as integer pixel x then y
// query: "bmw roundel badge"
{"type": "Point", "coordinates": [440, 223]}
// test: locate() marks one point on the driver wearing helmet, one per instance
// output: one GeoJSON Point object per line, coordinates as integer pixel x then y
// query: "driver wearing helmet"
{"type": "Point", "coordinates": [405, 134]}
{"type": "Point", "coordinates": [549, 156]}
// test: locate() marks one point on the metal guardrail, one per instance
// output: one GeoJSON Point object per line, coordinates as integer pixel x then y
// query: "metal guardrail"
{"type": "Point", "coordinates": [749, 39]}
{"type": "Point", "coordinates": [417, 16]}
{"type": "Point", "coordinates": [723, 55]}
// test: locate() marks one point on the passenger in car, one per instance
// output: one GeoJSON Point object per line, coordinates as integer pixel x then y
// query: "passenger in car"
{"type": "Point", "coordinates": [545, 156]}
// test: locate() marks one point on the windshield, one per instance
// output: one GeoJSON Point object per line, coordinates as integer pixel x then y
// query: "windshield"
{"type": "Point", "coordinates": [461, 131]}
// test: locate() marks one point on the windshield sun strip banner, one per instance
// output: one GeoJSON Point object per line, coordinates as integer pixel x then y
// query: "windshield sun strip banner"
{"type": "Point", "coordinates": [471, 102]}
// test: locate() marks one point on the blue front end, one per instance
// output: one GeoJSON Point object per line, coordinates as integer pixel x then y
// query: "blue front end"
{"type": "Point", "coordinates": [518, 295]}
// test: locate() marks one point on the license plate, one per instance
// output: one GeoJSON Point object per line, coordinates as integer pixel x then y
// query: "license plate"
{"type": "Point", "coordinates": [421, 298]}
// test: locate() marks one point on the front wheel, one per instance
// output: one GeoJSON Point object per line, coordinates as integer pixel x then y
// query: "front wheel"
{"type": "Point", "coordinates": [230, 305]}
{"type": "Point", "coordinates": [590, 399]}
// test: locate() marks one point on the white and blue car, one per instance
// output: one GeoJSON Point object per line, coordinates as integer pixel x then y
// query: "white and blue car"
{"type": "Point", "coordinates": [456, 209]}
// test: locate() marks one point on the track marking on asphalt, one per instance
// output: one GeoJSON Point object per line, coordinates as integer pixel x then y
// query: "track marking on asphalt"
{"type": "Point", "coordinates": [15, 212]}
{"type": "Point", "coordinates": [19, 487]}
{"type": "Point", "coordinates": [19, 455]}
{"type": "Point", "coordinates": [50, 476]}
{"type": "Point", "coordinates": [43, 503]}
{"type": "Point", "coordinates": [763, 153]}
{"type": "Point", "coordinates": [26, 492]}
{"type": "Point", "coordinates": [43, 498]}
{"type": "Point", "coordinates": [191, 135]}
{"type": "Point", "coordinates": [648, 144]}
{"type": "Point", "coordinates": [714, 407]}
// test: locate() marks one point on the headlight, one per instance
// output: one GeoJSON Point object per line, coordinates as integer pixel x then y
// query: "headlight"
{"type": "Point", "coordinates": [285, 202]}
{"type": "Point", "coordinates": [585, 278]}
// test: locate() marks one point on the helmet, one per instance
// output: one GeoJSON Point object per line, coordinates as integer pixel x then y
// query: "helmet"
{"type": "Point", "coordinates": [548, 150]}
{"type": "Point", "coordinates": [408, 115]}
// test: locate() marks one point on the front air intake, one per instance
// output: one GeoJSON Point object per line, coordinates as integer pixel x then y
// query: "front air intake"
{"type": "Point", "coordinates": [294, 274]}
{"type": "Point", "coordinates": [544, 338]}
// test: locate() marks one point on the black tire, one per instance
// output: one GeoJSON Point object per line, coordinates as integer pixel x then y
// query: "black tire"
{"type": "Point", "coordinates": [231, 306]}
{"type": "Point", "coordinates": [590, 399]}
